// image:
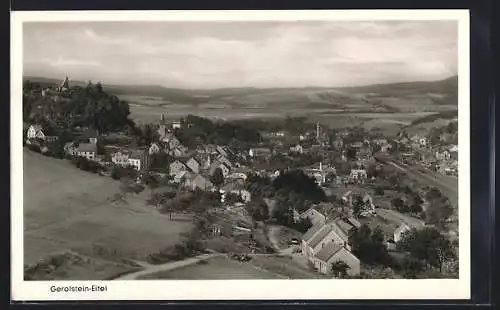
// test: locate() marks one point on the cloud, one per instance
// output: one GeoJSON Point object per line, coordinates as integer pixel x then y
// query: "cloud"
{"type": "Point", "coordinates": [261, 54]}
{"type": "Point", "coordinates": [63, 62]}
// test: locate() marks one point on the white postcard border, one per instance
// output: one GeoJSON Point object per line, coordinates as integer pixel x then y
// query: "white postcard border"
{"type": "Point", "coordinates": [241, 289]}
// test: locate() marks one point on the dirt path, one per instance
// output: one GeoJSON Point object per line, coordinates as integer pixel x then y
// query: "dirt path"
{"type": "Point", "coordinates": [150, 269]}
{"type": "Point", "coordinates": [273, 231]}
{"type": "Point", "coordinates": [272, 234]}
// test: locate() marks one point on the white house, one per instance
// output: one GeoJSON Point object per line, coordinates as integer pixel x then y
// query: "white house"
{"type": "Point", "coordinates": [176, 167]}
{"type": "Point", "coordinates": [35, 131]}
{"type": "Point", "coordinates": [137, 159]}
{"type": "Point", "coordinates": [358, 174]}
{"type": "Point", "coordinates": [154, 148]}
{"type": "Point", "coordinates": [176, 125]}
{"type": "Point", "coordinates": [297, 149]}
{"type": "Point", "coordinates": [120, 158]}
{"type": "Point", "coordinates": [87, 150]}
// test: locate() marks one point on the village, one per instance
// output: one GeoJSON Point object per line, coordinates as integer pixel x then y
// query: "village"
{"type": "Point", "coordinates": [370, 185]}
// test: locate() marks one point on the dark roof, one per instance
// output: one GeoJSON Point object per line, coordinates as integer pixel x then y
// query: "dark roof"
{"type": "Point", "coordinates": [89, 133]}
{"type": "Point", "coordinates": [328, 251]}
{"type": "Point", "coordinates": [87, 147]}
{"type": "Point", "coordinates": [313, 230]}
{"type": "Point", "coordinates": [136, 154]}
{"type": "Point", "coordinates": [323, 232]}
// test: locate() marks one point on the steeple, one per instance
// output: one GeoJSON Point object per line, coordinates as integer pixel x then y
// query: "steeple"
{"type": "Point", "coordinates": [65, 83]}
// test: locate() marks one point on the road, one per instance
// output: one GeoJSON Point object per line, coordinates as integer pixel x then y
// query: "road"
{"type": "Point", "coordinates": [151, 269]}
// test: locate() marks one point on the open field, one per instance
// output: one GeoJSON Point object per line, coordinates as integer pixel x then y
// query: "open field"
{"type": "Point", "coordinates": [66, 208]}
{"type": "Point", "coordinates": [220, 268]}
{"type": "Point", "coordinates": [390, 123]}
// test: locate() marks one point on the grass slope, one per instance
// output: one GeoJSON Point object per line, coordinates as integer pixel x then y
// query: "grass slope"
{"type": "Point", "coordinates": [65, 208]}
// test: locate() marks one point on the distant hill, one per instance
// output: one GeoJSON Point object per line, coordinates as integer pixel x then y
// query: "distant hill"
{"type": "Point", "coordinates": [443, 92]}
{"type": "Point", "coordinates": [447, 87]}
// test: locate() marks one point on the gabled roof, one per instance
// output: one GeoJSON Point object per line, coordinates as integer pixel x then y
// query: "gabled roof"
{"type": "Point", "coordinates": [346, 227]}
{"type": "Point", "coordinates": [201, 181]}
{"type": "Point", "coordinates": [312, 210]}
{"type": "Point", "coordinates": [89, 133]}
{"type": "Point", "coordinates": [36, 127]}
{"type": "Point", "coordinates": [322, 233]}
{"type": "Point", "coordinates": [136, 154]}
{"type": "Point", "coordinates": [177, 162]}
{"type": "Point", "coordinates": [192, 160]}
{"type": "Point", "coordinates": [312, 231]}
{"type": "Point", "coordinates": [354, 222]}
{"type": "Point", "coordinates": [328, 251]}
{"type": "Point", "coordinates": [87, 147]}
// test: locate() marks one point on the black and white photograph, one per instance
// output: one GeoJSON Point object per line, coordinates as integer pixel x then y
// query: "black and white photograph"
{"type": "Point", "coordinates": [240, 148]}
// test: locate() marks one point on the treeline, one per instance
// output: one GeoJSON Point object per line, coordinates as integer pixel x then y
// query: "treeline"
{"type": "Point", "coordinates": [196, 130]}
{"type": "Point", "coordinates": [422, 252]}
{"type": "Point", "coordinates": [291, 190]}
{"type": "Point", "coordinates": [88, 106]}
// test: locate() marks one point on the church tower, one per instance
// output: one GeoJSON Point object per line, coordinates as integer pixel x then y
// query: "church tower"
{"type": "Point", "coordinates": [65, 84]}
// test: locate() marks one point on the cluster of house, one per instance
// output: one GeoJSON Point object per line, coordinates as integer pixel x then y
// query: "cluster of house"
{"type": "Point", "coordinates": [442, 158]}
{"type": "Point", "coordinates": [35, 133]}
{"type": "Point", "coordinates": [327, 241]}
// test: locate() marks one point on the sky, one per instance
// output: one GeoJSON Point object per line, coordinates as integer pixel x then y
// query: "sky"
{"type": "Point", "coordinates": [211, 54]}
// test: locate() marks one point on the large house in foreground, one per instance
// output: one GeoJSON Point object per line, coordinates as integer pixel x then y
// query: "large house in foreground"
{"type": "Point", "coordinates": [325, 243]}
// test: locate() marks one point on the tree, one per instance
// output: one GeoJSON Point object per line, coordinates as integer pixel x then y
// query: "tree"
{"type": "Point", "coordinates": [416, 204]}
{"type": "Point", "coordinates": [339, 269]}
{"type": "Point", "coordinates": [371, 171]}
{"type": "Point", "coordinates": [399, 205]}
{"type": "Point", "coordinates": [358, 206]}
{"type": "Point", "coordinates": [351, 154]}
{"type": "Point", "coordinates": [379, 191]}
{"type": "Point", "coordinates": [218, 177]}
{"type": "Point", "coordinates": [258, 210]}
{"type": "Point", "coordinates": [427, 245]}
{"type": "Point", "coordinates": [369, 246]}
{"type": "Point", "coordinates": [411, 267]}
{"type": "Point", "coordinates": [439, 209]}
{"type": "Point", "coordinates": [303, 225]}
